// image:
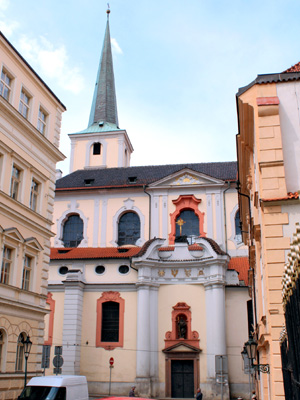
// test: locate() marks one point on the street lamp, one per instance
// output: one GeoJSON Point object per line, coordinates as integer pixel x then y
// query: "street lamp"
{"type": "Point", "coordinates": [27, 347]}
{"type": "Point", "coordinates": [251, 349]}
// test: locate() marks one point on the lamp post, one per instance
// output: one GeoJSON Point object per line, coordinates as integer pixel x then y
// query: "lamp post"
{"type": "Point", "coordinates": [247, 367]}
{"type": "Point", "coordinates": [27, 343]}
{"type": "Point", "coordinates": [251, 348]}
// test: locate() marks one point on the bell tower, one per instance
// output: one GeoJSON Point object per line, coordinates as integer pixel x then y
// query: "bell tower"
{"type": "Point", "coordinates": [102, 144]}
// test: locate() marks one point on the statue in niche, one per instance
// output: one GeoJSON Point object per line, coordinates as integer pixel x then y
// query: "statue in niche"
{"type": "Point", "coordinates": [182, 328]}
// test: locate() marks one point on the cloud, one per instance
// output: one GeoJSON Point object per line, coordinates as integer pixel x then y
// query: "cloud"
{"type": "Point", "coordinates": [115, 46]}
{"type": "Point", "coordinates": [52, 62]}
{"type": "Point", "coordinates": [4, 4]}
{"type": "Point", "coordinates": [7, 26]}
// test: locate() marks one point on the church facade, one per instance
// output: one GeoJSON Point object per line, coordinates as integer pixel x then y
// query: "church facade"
{"type": "Point", "coordinates": [147, 267]}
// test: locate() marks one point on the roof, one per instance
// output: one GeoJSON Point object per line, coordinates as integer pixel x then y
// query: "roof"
{"type": "Point", "coordinates": [141, 176]}
{"type": "Point", "coordinates": [104, 105]}
{"type": "Point", "coordinates": [32, 70]}
{"type": "Point", "coordinates": [241, 265]}
{"type": "Point", "coordinates": [79, 253]}
{"type": "Point", "coordinates": [294, 68]}
{"type": "Point", "coordinates": [290, 74]}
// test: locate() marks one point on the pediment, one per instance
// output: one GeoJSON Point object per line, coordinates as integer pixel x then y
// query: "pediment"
{"type": "Point", "coordinates": [181, 348]}
{"type": "Point", "coordinates": [34, 244]}
{"type": "Point", "coordinates": [187, 177]}
{"type": "Point", "coordinates": [14, 233]}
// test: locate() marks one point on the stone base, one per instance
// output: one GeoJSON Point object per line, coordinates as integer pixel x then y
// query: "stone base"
{"type": "Point", "coordinates": [143, 387]}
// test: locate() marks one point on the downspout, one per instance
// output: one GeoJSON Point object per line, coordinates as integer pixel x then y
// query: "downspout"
{"type": "Point", "coordinates": [144, 188]}
{"type": "Point", "coordinates": [225, 219]}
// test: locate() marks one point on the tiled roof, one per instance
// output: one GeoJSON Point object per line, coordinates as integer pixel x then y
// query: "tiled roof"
{"type": "Point", "coordinates": [140, 176]}
{"type": "Point", "coordinates": [78, 253]}
{"type": "Point", "coordinates": [294, 68]}
{"type": "Point", "coordinates": [290, 196]}
{"type": "Point", "coordinates": [241, 265]}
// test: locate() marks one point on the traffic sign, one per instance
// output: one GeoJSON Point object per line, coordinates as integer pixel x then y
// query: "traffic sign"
{"type": "Point", "coordinates": [58, 361]}
{"type": "Point", "coordinates": [111, 361]}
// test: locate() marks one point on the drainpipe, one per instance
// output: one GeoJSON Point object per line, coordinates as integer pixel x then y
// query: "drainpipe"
{"type": "Point", "coordinates": [144, 188]}
{"type": "Point", "coordinates": [225, 220]}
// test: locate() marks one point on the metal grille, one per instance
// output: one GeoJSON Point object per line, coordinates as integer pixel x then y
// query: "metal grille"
{"type": "Point", "coordinates": [110, 322]}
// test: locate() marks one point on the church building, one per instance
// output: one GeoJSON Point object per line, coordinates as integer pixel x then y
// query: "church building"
{"type": "Point", "coordinates": [148, 271]}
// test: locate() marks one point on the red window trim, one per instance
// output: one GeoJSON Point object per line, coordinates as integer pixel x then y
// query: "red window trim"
{"type": "Point", "coordinates": [105, 297]}
{"type": "Point", "coordinates": [51, 303]}
{"type": "Point", "coordinates": [186, 202]}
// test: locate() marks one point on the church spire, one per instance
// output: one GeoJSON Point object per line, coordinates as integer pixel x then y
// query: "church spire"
{"type": "Point", "coordinates": [104, 105]}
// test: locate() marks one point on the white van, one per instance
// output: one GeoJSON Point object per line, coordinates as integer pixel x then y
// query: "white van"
{"type": "Point", "coordinates": [60, 387]}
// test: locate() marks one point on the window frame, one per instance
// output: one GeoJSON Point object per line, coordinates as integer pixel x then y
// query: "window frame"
{"type": "Point", "coordinates": [27, 272]}
{"type": "Point", "coordinates": [23, 104]}
{"type": "Point", "coordinates": [4, 84]}
{"type": "Point", "coordinates": [15, 180]}
{"type": "Point", "coordinates": [19, 364]}
{"type": "Point", "coordinates": [34, 195]}
{"type": "Point", "coordinates": [7, 276]}
{"type": "Point", "coordinates": [110, 297]}
{"type": "Point", "coordinates": [123, 215]}
{"type": "Point", "coordinates": [63, 230]}
{"type": "Point", "coordinates": [42, 123]}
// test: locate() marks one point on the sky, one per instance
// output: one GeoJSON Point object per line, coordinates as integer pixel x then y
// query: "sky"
{"type": "Point", "coordinates": [177, 63]}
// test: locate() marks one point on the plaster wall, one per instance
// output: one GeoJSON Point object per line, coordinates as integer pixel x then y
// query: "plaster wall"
{"type": "Point", "coordinates": [289, 96]}
{"type": "Point", "coordinates": [95, 361]}
{"type": "Point", "coordinates": [194, 296]}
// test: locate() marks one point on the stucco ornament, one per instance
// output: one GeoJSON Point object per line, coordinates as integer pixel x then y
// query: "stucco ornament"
{"type": "Point", "coordinates": [161, 273]}
{"type": "Point", "coordinates": [187, 179]}
{"type": "Point", "coordinates": [174, 272]}
{"type": "Point", "coordinates": [187, 272]}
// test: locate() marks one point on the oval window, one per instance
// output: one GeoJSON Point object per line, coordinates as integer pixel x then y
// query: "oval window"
{"type": "Point", "coordinates": [100, 269]}
{"type": "Point", "coordinates": [63, 270]}
{"type": "Point", "coordinates": [123, 269]}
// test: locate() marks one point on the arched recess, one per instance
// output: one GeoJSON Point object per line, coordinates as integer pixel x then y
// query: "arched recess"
{"type": "Point", "coordinates": [106, 297]}
{"type": "Point", "coordinates": [235, 237]}
{"type": "Point", "coordinates": [186, 202]}
{"type": "Point", "coordinates": [3, 348]}
{"type": "Point", "coordinates": [128, 206]}
{"type": "Point", "coordinates": [89, 147]}
{"type": "Point", "coordinates": [181, 311]}
{"type": "Point", "coordinates": [58, 242]}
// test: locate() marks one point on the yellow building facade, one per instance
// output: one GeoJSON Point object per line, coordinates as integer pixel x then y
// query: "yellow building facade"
{"type": "Point", "coordinates": [268, 170]}
{"type": "Point", "coordinates": [147, 267]}
{"type": "Point", "coordinates": [30, 119]}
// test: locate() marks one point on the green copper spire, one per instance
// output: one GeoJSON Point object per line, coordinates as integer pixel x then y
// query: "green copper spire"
{"type": "Point", "coordinates": [104, 105]}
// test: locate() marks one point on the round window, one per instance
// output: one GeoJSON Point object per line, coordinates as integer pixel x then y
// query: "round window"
{"type": "Point", "coordinates": [99, 269]}
{"type": "Point", "coordinates": [123, 269]}
{"type": "Point", "coordinates": [63, 270]}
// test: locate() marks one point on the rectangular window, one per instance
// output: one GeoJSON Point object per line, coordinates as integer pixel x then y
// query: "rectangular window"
{"type": "Point", "coordinates": [5, 85]}
{"type": "Point", "coordinates": [24, 104]}
{"type": "Point", "coordinates": [42, 121]}
{"type": "Point", "coordinates": [15, 182]}
{"type": "Point", "coordinates": [34, 195]}
{"type": "Point", "coordinates": [110, 322]}
{"type": "Point", "coordinates": [6, 265]}
{"type": "Point", "coordinates": [26, 273]}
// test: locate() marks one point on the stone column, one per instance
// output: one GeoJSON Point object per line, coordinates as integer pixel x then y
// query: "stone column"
{"type": "Point", "coordinates": [143, 340]}
{"type": "Point", "coordinates": [74, 287]}
{"type": "Point", "coordinates": [154, 340]}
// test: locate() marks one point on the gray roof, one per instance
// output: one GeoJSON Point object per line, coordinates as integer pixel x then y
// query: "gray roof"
{"type": "Point", "coordinates": [271, 78]}
{"type": "Point", "coordinates": [139, 176]}
{"type": "Point", "coordinates": [104, 105]}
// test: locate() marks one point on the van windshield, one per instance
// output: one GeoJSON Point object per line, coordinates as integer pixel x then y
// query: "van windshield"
{"type": "Point", "coordinates": [43, 393]}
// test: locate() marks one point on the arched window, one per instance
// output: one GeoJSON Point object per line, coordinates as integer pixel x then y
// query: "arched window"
{"type": "Point", "coordinates": [110, 322]}
{"type": "Point", "coordinates": [189, 223]}
{"type": "Point", "coordinates": [129, 228]}
{"type": "Point", "coordinates": [97, 148]}
{"type": "Point", "coordinates": [73, 231]}
{"type": "Point", "coordinates": [238, 230]}
{"type": "Point", "coordinates": [20, 352]}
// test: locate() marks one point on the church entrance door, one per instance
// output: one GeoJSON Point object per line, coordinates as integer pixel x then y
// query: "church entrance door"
{"type": "Point", "coordinates": [182, 378]}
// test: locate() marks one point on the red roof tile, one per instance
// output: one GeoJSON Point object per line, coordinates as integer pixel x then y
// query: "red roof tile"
{"type": "Point", "coordinates": [290, 196]}
{"type": "Point", "coordinates": [294, 68]}
{"type": "Point", "coordinates": [241, 265]}
{"type": "Point", "coordinates": [93, 252]}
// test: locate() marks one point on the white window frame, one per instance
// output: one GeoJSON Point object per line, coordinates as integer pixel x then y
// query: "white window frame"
{"type": "Point", "coordinates": [5, 278]}
{"type": "Point", "coordinates": [27, 272]}
{"type": "Point", "coordinates": [24, 106]}
{"type": "Point", "coordinates": [42, 122]}
{"type": "Point", "coordinates": [34, 194]}
{"type": "Point", "coordinates": [4, 84]}
{"type": "Point", "coordinates": [14, 180]}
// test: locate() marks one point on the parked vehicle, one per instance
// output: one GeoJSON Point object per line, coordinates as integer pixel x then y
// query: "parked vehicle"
{"type": "Point", "coordinates": [60, 387]}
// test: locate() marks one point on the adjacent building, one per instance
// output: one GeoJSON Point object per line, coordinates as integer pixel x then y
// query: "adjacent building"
{"type": "Point", "coordinates": [30, 119]}
{"type": "Point", "coordinates": [147, 266]}
{"type": "Point", "coordinates": [268, 145]}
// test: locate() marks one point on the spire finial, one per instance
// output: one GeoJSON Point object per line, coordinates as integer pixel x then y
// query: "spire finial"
{"type": "Point", "coordinates": [108, 10]}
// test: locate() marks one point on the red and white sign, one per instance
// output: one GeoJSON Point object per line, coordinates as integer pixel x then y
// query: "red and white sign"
{"type": "Point", "coordinates": [111, 361]}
